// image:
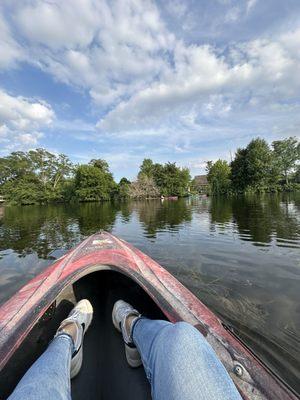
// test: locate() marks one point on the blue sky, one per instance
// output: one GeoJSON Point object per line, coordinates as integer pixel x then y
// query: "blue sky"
{"type": "Point", "coordinates": [185, 81]}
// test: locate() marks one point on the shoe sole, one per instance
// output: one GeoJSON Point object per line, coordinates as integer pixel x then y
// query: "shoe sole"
{"type": "Point", "coordinates": [133, 356]}
{"type": "Point", "coordinates": [77, 364]}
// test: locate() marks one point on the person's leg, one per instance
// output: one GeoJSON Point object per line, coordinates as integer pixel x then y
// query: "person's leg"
{"type": "Point", "coordinates": [49, 376]}
{"type": "Point", "coordinates": [179, 362]}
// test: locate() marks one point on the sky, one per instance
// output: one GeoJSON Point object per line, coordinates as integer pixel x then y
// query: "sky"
{"type": "Point", "coordinates": [185, 81]}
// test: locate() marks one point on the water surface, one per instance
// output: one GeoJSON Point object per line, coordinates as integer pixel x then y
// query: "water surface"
{"type": "Point", "coordinates": [240, 256]}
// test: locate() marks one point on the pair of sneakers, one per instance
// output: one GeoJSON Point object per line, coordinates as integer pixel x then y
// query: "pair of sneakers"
{"type": "Point", "coordinates": [77, 323]}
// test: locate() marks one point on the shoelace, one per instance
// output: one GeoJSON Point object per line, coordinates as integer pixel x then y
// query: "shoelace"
{"type": "Point", "coordinates": [125, 313]}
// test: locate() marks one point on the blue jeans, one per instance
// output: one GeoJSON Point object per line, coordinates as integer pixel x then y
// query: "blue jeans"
{"type": "Point", "coordinates": [178, 362]}
{"type": "Point", "coordinates": [49, 377]}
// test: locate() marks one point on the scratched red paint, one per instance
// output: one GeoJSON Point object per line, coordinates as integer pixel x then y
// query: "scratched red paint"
{"type": "Point", "coordinates": [19, 314]}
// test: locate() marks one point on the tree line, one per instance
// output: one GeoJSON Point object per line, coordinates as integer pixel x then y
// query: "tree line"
{"type": "Point", "coordinates": [38, 176]}
{"type": "Point", "coordinates": [258, 168]}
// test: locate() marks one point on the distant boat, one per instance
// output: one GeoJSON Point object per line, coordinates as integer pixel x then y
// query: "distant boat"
{"type": "Point", "coordinates": [104, 269]}
{"type": "Point", "coordinates": [169, 197]}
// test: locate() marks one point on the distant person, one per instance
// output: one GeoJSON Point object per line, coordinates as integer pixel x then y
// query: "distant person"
{"type": "Point", "coordinates": [178, 361]}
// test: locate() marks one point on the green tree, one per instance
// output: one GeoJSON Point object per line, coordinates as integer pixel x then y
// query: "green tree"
{"type": "Point", "coordinates": [62, 170]}
{"type": "Point", "coordinates": [159, 175]}
{"type": "Point", "coordinates": [253, 167]}
{"type": "Point", "coordinates": [18, 165]}
{"type": "Point", "coordinates": [168, 178]}
{"type": "Point", "coordinates": [101, 164]}
{"type": "Point", "coordinates": [42, 161]}
{"type": "Point", "coordinates": [239, 174]}
{"type": "Point", "coordinates": [287, 154]}
{"type": "Point", "coordinates": [177, 180]}
{"type": "Point", "coordinates": [297, 174]}
{"type": "Point", "coordinates": [259, 163]}
{"type": "Point", "coordinates": [93, 184]}
{"type": "Point", "coordinates": [18, 180]}
{"type": "Point", "coordinates": [124, 181]}
{"type": "Point", "coordinates": [123, 188]}
{"type": "Point", "coordinates": [172, 180]}
{"type": "Point", "coordinates": [4, 171]}
{"type": "Point", "coordinates": [147, 168]}
{"type": "Point", "coordinates": [218, 176]}
{"type": "Point", "coordinates": [39, 176]}
{"type": "Point", "coordinates": [50, 169]}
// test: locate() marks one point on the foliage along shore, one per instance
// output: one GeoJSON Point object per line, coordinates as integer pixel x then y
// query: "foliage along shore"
{"type": "Point", "coordinates": [258, 168]}
{"type": "Point", "coordinates": [39, 177]}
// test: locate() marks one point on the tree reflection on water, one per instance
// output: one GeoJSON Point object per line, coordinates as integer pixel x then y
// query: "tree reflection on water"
{"type": "Point", "coordinates": [261, 219]}
{"type": "Point", "coordinates": [168, 215]}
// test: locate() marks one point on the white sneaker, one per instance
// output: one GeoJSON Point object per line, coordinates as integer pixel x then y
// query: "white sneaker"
{"type": "Point", "coordinates": [120, 312]}
{"type": "Point", "coordinates": [81, 315]}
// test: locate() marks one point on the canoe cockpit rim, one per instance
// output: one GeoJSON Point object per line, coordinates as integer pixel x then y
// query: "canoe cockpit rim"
{"type": "Point", "coordinates": [156, 296]}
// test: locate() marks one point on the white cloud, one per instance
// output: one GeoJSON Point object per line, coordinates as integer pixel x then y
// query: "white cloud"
{"type": "Point", "coordinates": [176, 8]}
{"type": "Point", "coordinates": [109, 48]}
{"type": "Point", "coordinates": [127, 59]}
{"type": "Point", "coordinates": [58, 24]}
{"type": "Point", "coordinates": [210, 84]}
{"type": "Point", "coordinates": [250, 5]}
{"type": "Point", "coordinates": [232, 15]}
{"type": "Point", "coordinates": [21, 120]}
{"type": "Point", "coordinates": [146, 81]}
{"type": "Point", "coordinates": [10, 51]}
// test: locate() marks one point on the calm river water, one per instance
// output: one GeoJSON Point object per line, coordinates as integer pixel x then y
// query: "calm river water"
{"type": "Point", "coordinates": [240, 256]}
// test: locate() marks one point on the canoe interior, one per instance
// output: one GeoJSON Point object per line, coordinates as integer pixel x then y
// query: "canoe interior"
{"type": "Point", "coordinates": [105, 373]}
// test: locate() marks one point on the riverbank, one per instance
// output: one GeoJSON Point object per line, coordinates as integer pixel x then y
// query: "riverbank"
{"type": "Point", "coordinates": [294, 188]}
{"type": "Point", "coordinates": [40, 177]}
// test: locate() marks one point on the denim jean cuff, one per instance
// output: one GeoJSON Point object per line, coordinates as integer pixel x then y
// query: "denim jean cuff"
{"type": "Point", "coordinates": [134, 324]}
{"type": "Point", "coordinates": [63, 334]}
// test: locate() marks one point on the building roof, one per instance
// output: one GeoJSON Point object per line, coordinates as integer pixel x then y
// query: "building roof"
{"type": "Point", "coordinates": [201, 180]}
